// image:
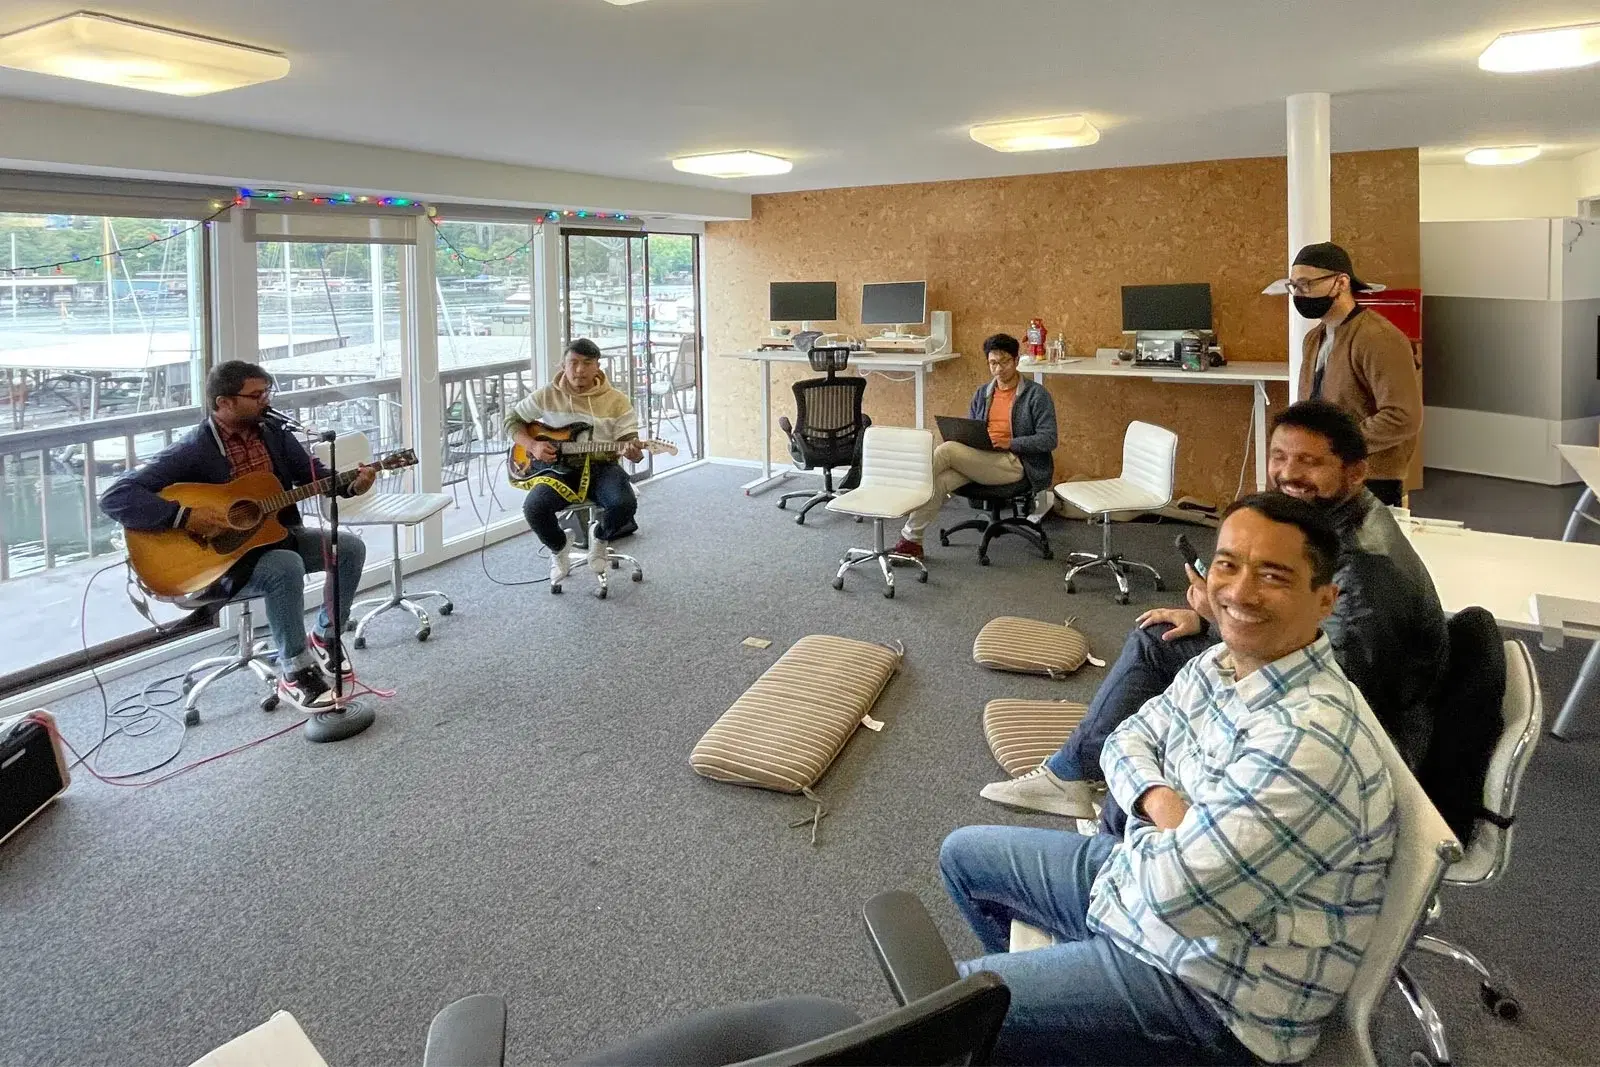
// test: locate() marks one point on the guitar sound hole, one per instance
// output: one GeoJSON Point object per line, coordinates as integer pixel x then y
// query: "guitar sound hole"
{"type": "Point", "coordinates": [244, 515]}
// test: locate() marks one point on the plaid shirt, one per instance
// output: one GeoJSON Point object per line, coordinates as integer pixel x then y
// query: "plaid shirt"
{"type": "Point", "coordinates": [1265, 897]}
{"type": "Point", "coordinates": [246, 451]}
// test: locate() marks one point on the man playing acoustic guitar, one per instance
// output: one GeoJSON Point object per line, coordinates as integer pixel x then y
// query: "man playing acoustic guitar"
{"type": "Point", "coordinates": [237, 439]}
{"type": "Point", "coordinates": [579, 395]}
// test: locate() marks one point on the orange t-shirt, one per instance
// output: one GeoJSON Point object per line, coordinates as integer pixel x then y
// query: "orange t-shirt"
{"type": "Point", "coordinates": [1000, 416]}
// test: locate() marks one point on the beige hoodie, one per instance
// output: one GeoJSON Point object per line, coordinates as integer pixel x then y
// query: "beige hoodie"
{"type": "Point", "coordinates": [603, 407]}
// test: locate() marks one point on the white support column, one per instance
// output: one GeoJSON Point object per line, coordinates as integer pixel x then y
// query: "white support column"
{"type": "Point", "coordinates": [544, 304]}
{"type": "Point", "coordinates": [1310, 200]}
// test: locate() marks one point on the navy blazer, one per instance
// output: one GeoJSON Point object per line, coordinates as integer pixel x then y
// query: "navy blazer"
{"type": "Point", "coordinates": [200, 457]}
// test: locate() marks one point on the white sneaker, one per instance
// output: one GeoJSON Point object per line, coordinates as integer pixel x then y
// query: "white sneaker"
{"type": "Point", "coordinates": [1041, 790]}
{"type": "Point", "coordinates": [561, 562]}
{"type": "Point", "coordinates": [597, 551]}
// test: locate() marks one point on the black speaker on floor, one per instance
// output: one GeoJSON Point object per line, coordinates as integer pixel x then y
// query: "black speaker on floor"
{"type": "Point", "coordinates": [33, 770]}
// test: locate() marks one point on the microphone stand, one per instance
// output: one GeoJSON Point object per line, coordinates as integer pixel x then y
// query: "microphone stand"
{"type": "Point", "coordinates": [348, 717]}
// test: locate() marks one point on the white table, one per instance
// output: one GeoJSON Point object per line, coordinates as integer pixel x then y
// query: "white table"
{"type": "Point", "coordinates": [1255, 375]}
{"type": "Point", "coordinates": [916, 363]}
{"type": "Point", "coordinates": [1527, 583]}
{"type": "Point", "coordinates": [1586, 461]}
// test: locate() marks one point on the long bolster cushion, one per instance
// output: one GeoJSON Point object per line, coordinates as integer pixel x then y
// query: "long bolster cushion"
{"type": "Point", "coordinates": [784, 731]}
{"type": "Point", "coordinates": [1028, 646]}
{"type": "Point", "coordinates": [1024, 733]}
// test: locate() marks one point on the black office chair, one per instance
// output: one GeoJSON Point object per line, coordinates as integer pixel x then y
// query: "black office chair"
{"type": "Point", "coordinates": [943, 1019]}
{"type": "Point", "coordinates": [829, 429]}
{"type": "Point", "coordinates": [994, 499]}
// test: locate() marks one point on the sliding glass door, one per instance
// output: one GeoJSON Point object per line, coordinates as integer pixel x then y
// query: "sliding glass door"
{"type": "Point", "coordinates": [636, 295]}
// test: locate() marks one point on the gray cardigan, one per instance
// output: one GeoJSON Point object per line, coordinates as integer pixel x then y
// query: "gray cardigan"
{"type": "Point", "coordinates": [1033, 428]}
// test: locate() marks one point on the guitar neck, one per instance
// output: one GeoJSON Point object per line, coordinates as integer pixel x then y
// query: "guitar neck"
{"type": "Point", "coordinates": [321, 487]}
{"type": "Point", "coordinates": [580, 448]}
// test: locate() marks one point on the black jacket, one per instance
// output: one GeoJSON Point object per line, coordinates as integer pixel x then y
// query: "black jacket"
{"type": "Point", "coordinates": [1387, 627]}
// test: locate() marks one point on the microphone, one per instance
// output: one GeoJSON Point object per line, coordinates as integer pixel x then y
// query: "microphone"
{"type": "Point", "coordinates": [283, 419]}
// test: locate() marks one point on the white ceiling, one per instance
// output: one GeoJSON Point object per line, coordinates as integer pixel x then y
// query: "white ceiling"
{"type": "Point", "coordinates": [861, 92]}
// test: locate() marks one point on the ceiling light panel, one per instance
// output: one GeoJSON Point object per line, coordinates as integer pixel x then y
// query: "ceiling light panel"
{"type": "Point", "coordinates": [1037, 135]}
{"type": "Point", "coordinates": [112, 51]}
{"type": "Point", "coordinates": [1561, 48]}
{"type": "Point", "coordinates": [1503, 157]}
{"type": "Point", "coordinates": [733, 165]}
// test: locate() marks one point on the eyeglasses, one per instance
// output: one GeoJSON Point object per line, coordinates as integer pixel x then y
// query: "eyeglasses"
{"type": "Point", "coordinates": [262, 395]}
{"type": "Point", "coordinates": [1302, 286]}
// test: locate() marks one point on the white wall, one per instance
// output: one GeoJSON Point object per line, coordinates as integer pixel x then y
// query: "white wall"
{"type": "Point", "coordinates": [41, 136]}
{"type": "Point", "coordinates": [1542, 189]}
{"type": "Point", "coordinates": [1586, 173]}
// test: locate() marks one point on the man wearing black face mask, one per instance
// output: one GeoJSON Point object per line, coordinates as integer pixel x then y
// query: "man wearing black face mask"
{"type": "Point", "coordinates": [1360, 361]}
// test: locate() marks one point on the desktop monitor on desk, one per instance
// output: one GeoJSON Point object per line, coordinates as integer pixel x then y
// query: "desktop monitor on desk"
{"type": "Point", "coordinates": [1152, 308]}
{"type": "Point", "coordinates": [894, 304]}
{"type": "Point", "coordinates": [803, 302]}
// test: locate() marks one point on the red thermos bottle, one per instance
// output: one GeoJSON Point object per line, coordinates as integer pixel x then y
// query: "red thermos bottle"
{"type": "Point", "coordinates": [1036, 336]}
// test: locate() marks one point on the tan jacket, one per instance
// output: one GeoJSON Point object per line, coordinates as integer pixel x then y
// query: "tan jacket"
{"type": "Point", "coordinates": [1373, 374]}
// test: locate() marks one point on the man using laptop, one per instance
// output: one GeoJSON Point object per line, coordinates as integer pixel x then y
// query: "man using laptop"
{"type": "Point", "coordinates": [1020, 423]}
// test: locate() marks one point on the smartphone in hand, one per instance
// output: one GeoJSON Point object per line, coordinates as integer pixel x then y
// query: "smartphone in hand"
{"type": "Point", "coordinates": [1190, 556]}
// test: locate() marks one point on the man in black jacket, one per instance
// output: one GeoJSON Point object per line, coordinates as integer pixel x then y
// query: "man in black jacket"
{"type": "Point", "coordinates": [1387, 627]}
{"type": "Point", "coordinates": [237, 439]}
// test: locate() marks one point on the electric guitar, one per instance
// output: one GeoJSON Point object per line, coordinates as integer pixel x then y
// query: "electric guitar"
{"type": "Point", "coordinates": [523, 468]}
{"type": "Point", "coordinates": [175, 562]}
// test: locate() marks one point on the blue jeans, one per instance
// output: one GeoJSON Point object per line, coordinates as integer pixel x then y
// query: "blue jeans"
{"type": "Point", "coordinates": [1082, 1000]}
{"type": "Point", "coordinates": [279, 579]}
{"type": "Point", "coordinates": [1145, 669]}
{"type": "Point", "coordinates": [609, 486]}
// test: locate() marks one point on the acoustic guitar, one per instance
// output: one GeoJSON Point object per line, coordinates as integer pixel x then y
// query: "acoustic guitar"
{"type": "Point", "coordinates": [173, 563]}
{"type": "Point", "coordinates": [569, 441]}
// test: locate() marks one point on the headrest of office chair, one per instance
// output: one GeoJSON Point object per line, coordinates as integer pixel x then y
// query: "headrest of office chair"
{"type": "Point", "coordinates": [829, 359]}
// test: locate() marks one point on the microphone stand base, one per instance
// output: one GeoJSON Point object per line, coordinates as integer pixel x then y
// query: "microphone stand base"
{"type": "Point", "coordinates": [348, 721]}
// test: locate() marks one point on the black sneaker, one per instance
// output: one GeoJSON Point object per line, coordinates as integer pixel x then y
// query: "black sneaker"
{"type": "Point", "coordinates": [307, 688]}
{"type": "Point", "coordinates": [324, 657]}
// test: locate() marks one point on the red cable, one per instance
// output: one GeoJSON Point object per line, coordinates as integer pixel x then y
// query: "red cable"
{"type": "Point", "coordinates": [114, 780]}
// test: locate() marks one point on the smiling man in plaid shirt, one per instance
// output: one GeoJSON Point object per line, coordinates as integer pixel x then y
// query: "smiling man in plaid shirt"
{"type": "Point", "coordinates": [1227, 923]}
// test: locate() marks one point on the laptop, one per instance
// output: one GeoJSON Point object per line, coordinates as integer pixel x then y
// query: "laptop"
{"type": "Point", "coordinates": [971, 432]}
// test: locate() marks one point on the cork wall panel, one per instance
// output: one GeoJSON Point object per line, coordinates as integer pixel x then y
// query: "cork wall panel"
{"type": "Point", "coordinates": [998, 252]}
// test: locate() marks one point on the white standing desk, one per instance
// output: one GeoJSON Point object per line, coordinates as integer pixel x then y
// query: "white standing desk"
{"type": "Point", "coordinates": [1256, 375]}
{"type": "Point", "coordinates": [916, 363]}
{"type": "Point", "coordinates": [1527, 583]}
{"type": "Point", "coordinates": [1586, 461]}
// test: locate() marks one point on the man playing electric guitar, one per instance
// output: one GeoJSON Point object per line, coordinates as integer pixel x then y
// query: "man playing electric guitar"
{"type": "Point", "coordinates": [237, 439]}
{"type": "Point", "coordinates": [580, 393]}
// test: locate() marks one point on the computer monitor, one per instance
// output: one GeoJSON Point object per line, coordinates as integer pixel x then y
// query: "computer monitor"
{"type": "Point", "coordinates": [1166, 307]}
{"type": "Point", "coordinates": [894, 303]}
{"type": "Point", "coordinates": [803, 302]}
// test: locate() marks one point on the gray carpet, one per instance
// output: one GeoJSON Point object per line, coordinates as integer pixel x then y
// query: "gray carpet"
{"type": "Point", "coordinates": [522, 819]}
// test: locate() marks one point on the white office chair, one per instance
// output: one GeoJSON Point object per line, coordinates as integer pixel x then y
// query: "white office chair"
{"type": "Point", "coordinates": [1489, 852]}
{"type": "Point", "coordinates": [896, 479]}
{"type": "Point", "coordinates": [1423, 850]}
{"type": "Point", "coordinates": [580, 517]}
{"type": "Point", "coordinates": [1149, 463]}
{"type": "Point", "coordinates": [394, 510]}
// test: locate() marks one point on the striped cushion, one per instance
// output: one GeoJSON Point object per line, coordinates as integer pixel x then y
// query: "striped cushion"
{"type": "Point", "coordinates": [1024, 733]}
{"type": "Point", "coordinates": [786, 728]}
{"type": "Point", "coordinates": [1028, 646]}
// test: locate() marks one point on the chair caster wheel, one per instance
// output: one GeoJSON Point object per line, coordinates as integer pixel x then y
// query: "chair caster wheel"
{"type": "Point", "coordinates": [1503, 1005]}
{"type": "Point", "coordinates": [782, 505]}
{"type": "Point", "coordinates": [922, 577]}
{"type": "Point", "coordinates": [983, 561]}
{"type": "Point", "coordinates": [799, 520]}
{"type": "Point", "coordinates": [1047, 554]}
{"type": "Point", "coordinates": [191, 717]}
{"type": "Point", "coordinates": [555, 588]}
{"type": "Point", "coordinates": [1422, 1059]}
{"type": "Point", "coordinates": [638, 576]}
{"type": "Point", "coordinates": [1122, 598]}
{"type": "Point", "coordinates": [889, 593]}
{"type": "Point", "coordinates": [1161, 587]}
{"type": "Point", "coordinates": [424, 633]}
{"type": "Point", "coordinates": [188, 684]}
{"type": "Point", "coordinates": [602, 593]}
{"type": "Point", "coordinates": [944, 542]}
{"type": "Point", "coordinates": [838, 583]}
{"type": "Point", "coordinates": [446, 608]}
{"type": "Point", "coordinates": [350, 627]}
{"type": "Point", "coordinates": [1071, 588]}
{"type": "Point", "coordinates": [359, 642]}
{"type": "Point", "coordinates": [269, 702]}
{"type": "Point", "coordinates": [859, 520]}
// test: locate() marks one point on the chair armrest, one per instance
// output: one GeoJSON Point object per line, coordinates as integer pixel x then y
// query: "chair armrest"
{"type": "Point", "coordinates": [468, 1033]}
{"type": "Point", "coordinates": [908, 946]}
{"type": "Point", "coordinates": [785, 425]}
